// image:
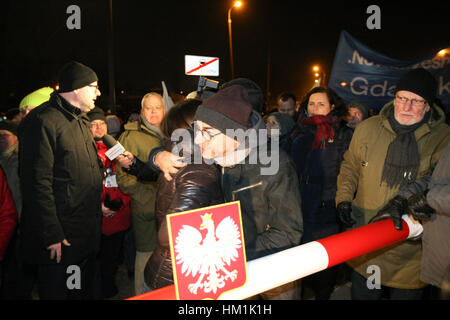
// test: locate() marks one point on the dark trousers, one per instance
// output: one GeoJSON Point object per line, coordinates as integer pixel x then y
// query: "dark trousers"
{"type": "Point", "coordinates": [18, 278]}
{"type": "Point", "coordinates": [360, 291]}
{"type": "Point", "coordinates": [129, 250]}
{"type": "Point", "coordinates": [322, 283]}
{"type": "Point", "coordinates": [56, 281]}
{"type": "Point", "coordinates": [109, 257]}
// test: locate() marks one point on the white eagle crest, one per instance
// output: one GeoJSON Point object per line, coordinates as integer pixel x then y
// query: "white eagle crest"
{"type": "Point", "coordinates": [208, 256]}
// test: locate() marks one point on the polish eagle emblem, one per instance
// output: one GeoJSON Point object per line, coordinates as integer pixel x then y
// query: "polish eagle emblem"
{"type": "Point", "coordinates": [208, 256]}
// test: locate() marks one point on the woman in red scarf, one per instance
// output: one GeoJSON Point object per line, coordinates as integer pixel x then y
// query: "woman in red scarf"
{"type": "Point", "coordinates": [319, 142]}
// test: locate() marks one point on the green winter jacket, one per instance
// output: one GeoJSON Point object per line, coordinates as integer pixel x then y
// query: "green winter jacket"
{"type": "Point", "coordinates": [139, 140]}
{"type": "Point", "coordinates": [361, 172]}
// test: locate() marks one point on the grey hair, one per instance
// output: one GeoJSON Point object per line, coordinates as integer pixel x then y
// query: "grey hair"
{"type": "Point", "coordinates": [149, 95]}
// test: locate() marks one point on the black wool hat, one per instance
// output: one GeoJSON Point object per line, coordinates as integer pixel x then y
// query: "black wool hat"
{"type": "Point", "coordinates": [96, 114]}
{"type": "Point", "coordinates": [227, 109]}
{"type": "Point", "coordinates": [420, 82]}
{"type": "Point", "coordinates": [75, 75]}
{"type": "Point", "coordinates": [362, 106]}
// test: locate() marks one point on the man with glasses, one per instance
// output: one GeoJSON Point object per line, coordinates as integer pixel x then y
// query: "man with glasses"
{"type": "Point", "coordinates": [139, 138]}
{"type": "Point", "coordinates": [270, 200]}
{"type": "Point", "coordinates": [403, 143]}
{"type": "Point", "coordinates": [115, 209]}
{"type": "Point", "coordinates": [61, 183]}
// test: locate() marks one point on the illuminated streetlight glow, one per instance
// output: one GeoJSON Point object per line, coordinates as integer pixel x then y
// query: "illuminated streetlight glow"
{"type": "Point", "coordinates": [316, 68]}
{"type": "Point", "coordinates": [236, 4]}
{"type": "Point", "coordinates": [442, 52]}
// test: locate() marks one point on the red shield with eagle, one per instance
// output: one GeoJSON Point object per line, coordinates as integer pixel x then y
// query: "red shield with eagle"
{"type": "Point", "coordinates": [208, 252]}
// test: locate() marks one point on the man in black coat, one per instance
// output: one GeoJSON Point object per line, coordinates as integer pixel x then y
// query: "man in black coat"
{"type": "Point", "coordinates": [61, 183]}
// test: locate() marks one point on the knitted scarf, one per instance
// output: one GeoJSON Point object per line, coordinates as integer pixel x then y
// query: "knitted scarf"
{"type": "Point", "coordinates": [153, 128]}
{"type": "Point", "coordinates": [324, 129]}
{"type": "Point", "coordinates": [402, 160]}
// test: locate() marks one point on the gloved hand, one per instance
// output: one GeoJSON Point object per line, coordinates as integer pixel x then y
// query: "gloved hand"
{"type": "Point", "coordinates": [344, 210]}
{"type": "Point", "coordinates": [112, 204]}
{"type": "Point", "coordinates": [394, 209]}
{"type": "Point", "coordinates": [419, 208]}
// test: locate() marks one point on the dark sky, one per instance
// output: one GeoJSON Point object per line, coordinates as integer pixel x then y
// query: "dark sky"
{"type": "Point", "coordinates": [151, 39]}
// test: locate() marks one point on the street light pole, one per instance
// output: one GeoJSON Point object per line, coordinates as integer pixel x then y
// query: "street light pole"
{"type": "Point", "coordinates": [230, 40]}
{"type": "Point", "coordinates": [236, 4]}
{"type": "Point", "coordinates": [111, 76]}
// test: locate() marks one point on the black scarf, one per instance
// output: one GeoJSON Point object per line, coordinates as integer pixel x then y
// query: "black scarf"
{"type": "Point", "coordinates": [402, 161]}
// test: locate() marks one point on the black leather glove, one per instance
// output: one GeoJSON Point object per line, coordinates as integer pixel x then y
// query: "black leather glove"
{"type": "Point", "coordinates": [419, 208]}
{"type": "Point", "coordinates": [112, 204]}
{"type": "Point", "coordinates": [344, 210]}
{"type": "Point", "coordinates": [394, 209]}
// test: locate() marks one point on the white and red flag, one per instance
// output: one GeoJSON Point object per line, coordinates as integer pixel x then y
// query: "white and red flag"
{"type": "Point", "coordinates": [208, 252]}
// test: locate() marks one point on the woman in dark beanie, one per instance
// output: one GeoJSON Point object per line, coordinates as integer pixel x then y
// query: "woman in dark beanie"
{"type": "Point", "coordinates": [317, 154]}
{"type": "Point", "coordinates": [193, 186]}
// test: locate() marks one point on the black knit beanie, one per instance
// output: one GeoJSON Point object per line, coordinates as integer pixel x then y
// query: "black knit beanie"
{"type": "Point", "coordinates": [227, 109]}
{"type": "Point", "coordinates": [75, 75]}
{"type": "Point", "coordinates": [96, 114]}
{"type": "Point", "coordinates": [362, 106]}
{"type": "Point", "coordinates": [420, 82]}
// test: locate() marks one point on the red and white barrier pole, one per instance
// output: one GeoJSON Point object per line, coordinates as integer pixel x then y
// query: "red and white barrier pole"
{"type": "Point", "coordinates": [286, 266]}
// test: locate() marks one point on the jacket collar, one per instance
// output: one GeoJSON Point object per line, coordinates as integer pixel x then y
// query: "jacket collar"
{"type": "Point", "coordinates": [68, 109]}
{"type": "Point", "coordinates": [437, 117]}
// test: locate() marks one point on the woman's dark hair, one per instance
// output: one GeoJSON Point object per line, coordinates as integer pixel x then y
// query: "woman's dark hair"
{"type": "Point", "coordinates": [179, 117]}
{"type": "Point", "coordinates": [340, 108]}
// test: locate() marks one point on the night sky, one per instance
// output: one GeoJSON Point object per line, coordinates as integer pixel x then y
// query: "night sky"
{"type": "Point", "coordinates": [151, 39]}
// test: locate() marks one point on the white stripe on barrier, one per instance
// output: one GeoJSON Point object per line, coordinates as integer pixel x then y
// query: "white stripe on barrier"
{"type": "Point", "coordinates": [415, 228]}
{"type": "Point", "coordinates": [280, 268]}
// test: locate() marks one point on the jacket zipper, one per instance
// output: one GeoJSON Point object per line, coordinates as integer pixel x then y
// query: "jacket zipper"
{"type": "Point", "coordinates": [233, 193]}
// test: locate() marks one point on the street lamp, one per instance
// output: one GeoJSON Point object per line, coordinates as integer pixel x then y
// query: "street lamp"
{"type": "Point", "coordinates": [319, 75]}
{"type": "Point", "coordinates": [236, 4]}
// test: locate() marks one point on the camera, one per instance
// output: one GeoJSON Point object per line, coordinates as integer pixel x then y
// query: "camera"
{"type": "Point", "coordinates": [206, 85]}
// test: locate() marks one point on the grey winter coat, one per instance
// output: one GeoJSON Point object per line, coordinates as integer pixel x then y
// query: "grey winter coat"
{"type": "Point", "coordinates": [435, 266]}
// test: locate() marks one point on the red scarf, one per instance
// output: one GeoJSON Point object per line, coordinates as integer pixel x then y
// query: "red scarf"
{"type": "Point", "coordinates": [324, 132]}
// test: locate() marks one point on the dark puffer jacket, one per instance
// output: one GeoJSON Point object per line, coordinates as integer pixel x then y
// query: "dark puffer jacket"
{"type": "Point", "coordinates": [194, 186]}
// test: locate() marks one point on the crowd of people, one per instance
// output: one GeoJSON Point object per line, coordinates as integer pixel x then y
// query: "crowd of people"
{"type": "Point", "coordinates": [65, 202]}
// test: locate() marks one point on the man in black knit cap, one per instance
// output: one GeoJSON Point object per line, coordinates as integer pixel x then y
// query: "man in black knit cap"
{"type": "Point", "coordinates": [387, 152]}
{"type": "Point", "coordinates": [270, 199]}
{"type": "Point", "coordinates": [61, 183]}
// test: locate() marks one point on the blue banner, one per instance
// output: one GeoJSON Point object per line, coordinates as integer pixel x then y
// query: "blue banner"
{"type": "Point", "coordinates": [360, 73]}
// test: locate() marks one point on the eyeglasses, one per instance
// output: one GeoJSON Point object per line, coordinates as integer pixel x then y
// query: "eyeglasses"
{"type": "Point", "coordinates": [415, 102]}
{"type": "Point", "coordinates": [206, 133]}
{"type": "Point", "coordinates": [93, 86]}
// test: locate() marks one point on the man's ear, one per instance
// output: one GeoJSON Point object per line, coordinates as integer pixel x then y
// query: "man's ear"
{"type": "Point", "coordinates": [332, 107]}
